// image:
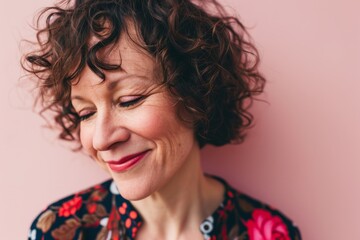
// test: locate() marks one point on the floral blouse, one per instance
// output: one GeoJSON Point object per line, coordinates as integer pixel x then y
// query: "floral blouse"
{"type": "Point", "coordinates": [100, 213]}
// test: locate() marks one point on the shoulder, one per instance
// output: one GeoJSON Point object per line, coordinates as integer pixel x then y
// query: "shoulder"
{"type": "Point", "coordinates": [75, 215]}
{"type": "Point", "coordinates": [258, 219]}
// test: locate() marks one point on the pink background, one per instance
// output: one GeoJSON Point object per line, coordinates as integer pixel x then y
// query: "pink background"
{"type": "Point", "coordinates": [303, 156]}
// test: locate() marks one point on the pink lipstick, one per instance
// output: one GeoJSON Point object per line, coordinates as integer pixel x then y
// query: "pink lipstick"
{"type": "Point", "coordinates": [127, 162]}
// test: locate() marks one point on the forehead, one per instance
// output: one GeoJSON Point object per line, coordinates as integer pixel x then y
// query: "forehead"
{"type": "Point", "coordinates": [128, 53]}
{"type": "Point", "coordinates": [131, 57]}
{"type": "Point", "coordinates": [128, 49]}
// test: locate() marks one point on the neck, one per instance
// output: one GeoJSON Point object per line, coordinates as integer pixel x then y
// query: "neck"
{"type": "Point", "coordinates": [182, 204]}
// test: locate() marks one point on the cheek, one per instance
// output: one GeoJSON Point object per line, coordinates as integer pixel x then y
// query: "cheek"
{"type": "Point", "coordinates": [161, 126]}
{"type": "Point", "coordinates": [154, 123]}
{"type": "Point", "coordinates": [86, 140]}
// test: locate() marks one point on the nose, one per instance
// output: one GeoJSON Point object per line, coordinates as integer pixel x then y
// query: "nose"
{"type": "Point", "coordinates": [109, 131]}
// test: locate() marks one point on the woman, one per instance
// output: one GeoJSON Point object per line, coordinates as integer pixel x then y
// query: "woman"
{"type": "Point", "coordinates": [142, 86]}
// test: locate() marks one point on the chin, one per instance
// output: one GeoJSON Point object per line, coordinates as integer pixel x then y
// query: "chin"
{"type": "Point", "coordinates": [133, 190]}
{"type": "Point", "coordinates": [133, 196]}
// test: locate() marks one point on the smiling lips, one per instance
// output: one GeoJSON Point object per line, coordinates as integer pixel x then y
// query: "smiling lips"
{"type": "Point", "coordinates": [127, 162]}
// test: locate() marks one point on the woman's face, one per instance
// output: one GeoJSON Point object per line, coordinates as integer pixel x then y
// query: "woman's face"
{"type": "Point", "coordinates": [129, 123]}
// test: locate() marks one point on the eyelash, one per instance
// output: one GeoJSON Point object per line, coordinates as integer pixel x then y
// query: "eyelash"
{"type": "Point", "coordinates": [131, 102]}
{"type": "Point", "coordinates": [121, 104]}
{"type": "Point", "coordinates": [86, 116]}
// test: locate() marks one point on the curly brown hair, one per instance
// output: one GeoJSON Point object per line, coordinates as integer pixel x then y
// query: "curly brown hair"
{"type": "Point", "coordinates": [206, 59]}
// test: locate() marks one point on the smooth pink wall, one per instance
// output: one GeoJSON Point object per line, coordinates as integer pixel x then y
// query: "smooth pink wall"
{"type": "Point", "coordinates": [303, 156]}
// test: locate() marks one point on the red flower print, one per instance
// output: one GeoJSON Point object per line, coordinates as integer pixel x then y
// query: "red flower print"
{"type": "Point", "coordinates": [98, 195]}
{"type": "Point", "coordinates": [114, 218]}
{"type": "Point", "coordinates": [134, 231]}
{"type": "Point", "coordinates": [122, 209]}
{"type": "Point", "coordinates": [264, 226]}
{"type": "Point", "coordinates": [91, 207]}
{"type": "Point", "coordinates": [70, 207]}
{"type": "Point", "coordinates": [133, 214]}
{"type": "Point", "coordinates": [128, 223]}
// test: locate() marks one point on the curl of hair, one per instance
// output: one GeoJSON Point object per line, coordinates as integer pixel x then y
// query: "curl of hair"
{"type": "Point", "coordinates": [206, 59]}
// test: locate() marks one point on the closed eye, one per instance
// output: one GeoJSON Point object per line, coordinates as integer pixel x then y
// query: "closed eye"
{"type": "Point", "coordinates": [126, 101]}
{"type": "Point", "coordinates": [129, 101]}
{"type": "Point", "coordinates": [85, 116]}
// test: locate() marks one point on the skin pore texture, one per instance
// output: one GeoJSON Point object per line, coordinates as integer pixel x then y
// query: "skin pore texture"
{"type": "Point", "coordinates": [130, 113]}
